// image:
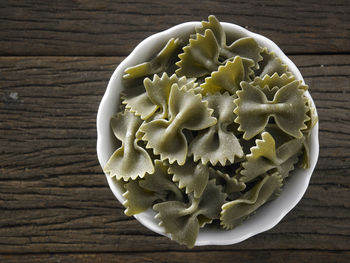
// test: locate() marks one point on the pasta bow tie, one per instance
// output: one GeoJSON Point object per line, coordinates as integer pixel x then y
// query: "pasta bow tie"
{"type": "Point", "coordinates": [287, 108]}
{"type": "Point", "coordinates": [129, 161]}
{"type": "Point", "coordinates": [187, 111]}
{"type": "Point", "coordinates": [266, 157]}
{"type": "Point", "coordinates": [183, 220]}
{"type": "Point", "coordinates": [207, 50]}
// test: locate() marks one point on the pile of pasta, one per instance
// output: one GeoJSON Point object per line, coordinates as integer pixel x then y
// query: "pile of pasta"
{"type": "Point", "coordinates": [209, 132]}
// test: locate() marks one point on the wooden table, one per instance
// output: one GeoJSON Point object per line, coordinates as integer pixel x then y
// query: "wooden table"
{"type": "Point", "coordinates": [56, 60]}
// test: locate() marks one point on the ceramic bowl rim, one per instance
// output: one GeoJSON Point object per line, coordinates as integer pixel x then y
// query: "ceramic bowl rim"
{"type": "Point", "coordinates": [205, 237]}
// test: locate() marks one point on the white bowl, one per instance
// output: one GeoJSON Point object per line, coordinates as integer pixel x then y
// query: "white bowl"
{"type": "Point", "coordinates": [268, 215]}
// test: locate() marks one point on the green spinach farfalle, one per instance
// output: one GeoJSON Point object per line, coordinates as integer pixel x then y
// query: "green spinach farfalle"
{"type": "Point", "coordinates": [183, 219]}
{"type": "Point", "coordinates": [230, 184]}
{"type": "Point", "coordinates": [288, 108]}
{"type": "Point", "coordinates": [265, 157]}
{"type": "Point", "coordinates": [245, 47]}
{"type": "Point", "coordinates": [271, 64]}
{"type": "Point", "coordinates": [208, 50]}
{"type": "Point", "coordinates": [192, 176]}
{"type": "Point", "coordinates": [156, 96]}
{"type": "Point", "coordinates": [217, 143]}
{"type": "Point", "coordinates": [187, 111]}
{"type": "Point", "coordinates": [234, 212]}
{"type": "Point", "coordinates": [227, 78]}
{"type": "Point", "coordinates": [211, 138]}
{"type": "Point", "coordinates": [158, 64]}
{"type": "Point", "coordinates": [130, 160]}
{"type": "Point", "coordinates": [142, 194]}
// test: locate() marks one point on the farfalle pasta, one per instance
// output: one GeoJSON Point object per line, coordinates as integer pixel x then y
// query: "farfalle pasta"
{"type": "Point", "coordinates": [288, 109]}
{"type": "Point", "coordinates": [210, 133]}
{"type": "Point", "coordinates": [158, 64]}
{"type": "Point", "coordinates": [183, 219]}
{"type": "Point", "coordinates": [217, 144]}
{"type": "Point", "coordinates": [192, 175]}
{"type": "Point", "coordinates": [187, 111]}
{"type": "Point", "coordinates": [130, 160]}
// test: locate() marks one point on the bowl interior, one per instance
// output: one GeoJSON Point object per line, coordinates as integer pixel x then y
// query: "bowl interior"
{"type": "Point", "coordinates": [268, 215]}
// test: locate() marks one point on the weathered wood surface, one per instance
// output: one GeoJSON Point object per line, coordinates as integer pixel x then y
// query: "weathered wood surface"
{"type": "Point", "coordinates": [257, 256]}
{"type": "Point", "coordinates": [55, 61]}
{"type": "Point", "coordinates": [89, 27]}
{"type": "Point", "coordinates": [55, 203]}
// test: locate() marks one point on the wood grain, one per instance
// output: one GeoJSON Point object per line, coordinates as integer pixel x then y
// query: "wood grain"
{"type": "Point", "coordinates": [258, 256]}
{"type": "Point", "coordinates": [54, 197]}
{"type": "Point", "coordinates": [55, 61]}
{"type": "Point", "coordinates": [114, 28]}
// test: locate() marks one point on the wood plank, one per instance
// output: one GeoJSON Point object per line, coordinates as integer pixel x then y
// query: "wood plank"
{"type": "Point", "coordinates": [32, 27]}
{"type": "Point", "coordinates": [272, 256]}
{"type": "Point", "coordinates": [54, 196]}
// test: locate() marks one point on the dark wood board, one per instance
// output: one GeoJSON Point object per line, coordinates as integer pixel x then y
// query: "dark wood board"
{"type": "Point", "coordinates": [89, 27]}
{"type": "Point", "coordinates": [54, 198]}
{"type": "Point", "coordinates": [56, 58]}
{"type": "Point", "coordinates": [256, 256]}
